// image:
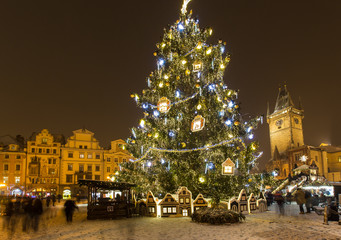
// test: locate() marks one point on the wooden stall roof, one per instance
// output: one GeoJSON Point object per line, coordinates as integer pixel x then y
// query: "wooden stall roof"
{"type": "Point", "coordinates": [105, 185]}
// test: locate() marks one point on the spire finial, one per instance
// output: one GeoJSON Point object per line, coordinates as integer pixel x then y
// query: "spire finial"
{"type": "Point", "coordinates": [184, 7]}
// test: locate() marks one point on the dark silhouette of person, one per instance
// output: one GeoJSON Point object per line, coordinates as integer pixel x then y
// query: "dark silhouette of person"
{"type": "Point", "coordinates": [53, 199]}
{"type": "Point", "coordinates": [8, 213]}
{"type": "Point", "coordinates": [37, 211]}
{"type": "Point", "coordinates": [48, 200]}
{"type": "Point", "coordinates": [69, 208]}
{"type": "Point", "coordinates": [28, 208]}
{"type": "Point", "coordinates": [59, 196]}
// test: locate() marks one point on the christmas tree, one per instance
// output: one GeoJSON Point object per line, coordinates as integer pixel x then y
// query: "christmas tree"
{"type": "Point", "coordinates": [192, 133]}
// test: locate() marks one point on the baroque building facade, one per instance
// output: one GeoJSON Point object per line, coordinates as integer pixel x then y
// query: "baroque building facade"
{"type": "Point", "coordinates": [47, 164]}
{"type": "Point", "coordinates": [288, 150]}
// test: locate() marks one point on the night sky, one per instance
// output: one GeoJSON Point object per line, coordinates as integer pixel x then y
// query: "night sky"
{"type": "Point", "coordinates": [65, 65]}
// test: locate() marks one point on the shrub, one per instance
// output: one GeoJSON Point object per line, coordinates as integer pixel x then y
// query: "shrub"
{"type": "Point", "coordinates": [216, 216]}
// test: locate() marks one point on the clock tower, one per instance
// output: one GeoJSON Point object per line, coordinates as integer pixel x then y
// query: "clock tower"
{"type": "Point", "coordinates": [285, 125]}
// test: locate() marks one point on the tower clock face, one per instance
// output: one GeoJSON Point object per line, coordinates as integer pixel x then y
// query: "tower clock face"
{"type": "Point", "coordinates": [279, 122]}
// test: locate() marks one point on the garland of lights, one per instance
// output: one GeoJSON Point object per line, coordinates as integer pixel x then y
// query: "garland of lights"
{"type": "Point", "coordinates": [189, 150]}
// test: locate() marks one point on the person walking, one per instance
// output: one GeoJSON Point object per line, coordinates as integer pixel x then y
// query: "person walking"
{"type": "Point", "coordinates": [280, 202]}
{"type": "Point", "coordinates": [28, 208]}
{"type": "Point", "coordinates": [37, 211]}
{"type": "Point", "coordinates": [69, 208]}
{"type": "Point", "coordinates": [308, 201]}
{"type": "Point", "coordinates": [48, 200]}
{"type": "Point", "coordinates": [53, 200]}
{"type": "Point", "coordinates": [300, 199]}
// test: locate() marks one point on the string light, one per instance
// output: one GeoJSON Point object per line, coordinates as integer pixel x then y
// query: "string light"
{"type": "Point", "coordinates": [142, 123]}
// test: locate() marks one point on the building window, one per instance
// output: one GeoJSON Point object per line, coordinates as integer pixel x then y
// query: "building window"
{"type": "Point", "coordinates": [17, 179]}
{"type": "Point", "coordinates": [151, 209]}
{"type": "Point", "coordinates": [69, 178]}
{"type": "Point", "coordinates": [54, 161]}
{"type": "Point", "coordinates": [97, 168]}
{"type": "Point", "coordinates": [187, 200]}
{"type": "Point", "coordinates": [174, 209]}
{"type": "Point", "coordinates": [52, 171]}
{"type": "Point", "coordinates": [17, 167]}
{"type": "Point", "coordinates": [108, 159]}
{"type": "Point", "coordinates": [80, 146]}
{"type": "Point", "coordinates": [70, 167]}
{"type": "Point", "coordinates": [33, 150]}
{"type": "Point", "coordinates": [316, 159]}
{"type": "Point", "coordinates": [85, 147]}
{"type": "Point", "coordinates": [81, 168]}
{"type": "Point", "coordinates": [50, 160]}
{"type": "Point", "coordinates": [181, 200]}
{"type": "Point", "coordinates": [70, 155]}
{"type": "Point", "coordinates": [33, 170]}
{"type": "Point", "coordinates": [108, 169]}
{"type": "Point", "coordinates": [54, 151]}
{"type": "Point", "coordinates": [47, 150]}
{"type": "Point", "coordinates": [40, 150]}
{"type": "Point", "coordinates": [116, 159]}
{"type": "Point", "coordinates": [89, 168]}
{"type": "Point", "coordinates": [7, 156]}
{"type": "Point", "coordinates": [89, 155]}
{"type": "Point", "coordinates": [81, 155]}
{"type": "Point", "coordinates": [124, 160]}
{"type": "Point", "coordinates": [164, 210]}
{"type": "Point", "coordinates": [98, 177]}
{"type": "Point", "coordinates": [297, 157]}
{"type": "Point", "coordinates": [44, 140]}
{"type": "Point", "coordinates": [5, 167]}
{"type": "Point", "coordinates": [98, 156]}
{"type": "Point", "coordinates": [5, 179]}
{"type": "Point", "coordinates": [18, 156]}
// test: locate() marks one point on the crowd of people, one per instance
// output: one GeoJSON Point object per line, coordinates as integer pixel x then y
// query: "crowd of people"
{"type": "Point", "coordinates": [305, 200]}
{"type": "Point", "coordinates": [25, 213]}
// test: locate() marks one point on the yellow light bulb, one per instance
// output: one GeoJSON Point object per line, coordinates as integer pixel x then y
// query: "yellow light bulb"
{"type": "Point", "coordinates": [211, 31]}
{"type": "Point", "coordinates": [183, 62]}
{"type": "Point", "coordinates": [156, 135]}
{"type": "Point", "coordinates": [222, 66]}
{"type": "Point", "coordinates": [202, 179]}
{"type": "Point", "coordinates": [209, 51]}
{"type": "Point", "coordinates": [230, 135]}
{"type": "Point", "coordinates": [163, 45]}
{"type": "Point", "coordinates": [161, 84]}
{"type": "Point", "coordinates": [199, 46]}
{"type": "Point", "coordinates": [166, 77]}
{"type": "Point", "coordinates": [199, 107]}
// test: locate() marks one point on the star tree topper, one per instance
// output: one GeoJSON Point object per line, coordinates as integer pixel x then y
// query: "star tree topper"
{"type": "Point", "coordinates": [184, 6]}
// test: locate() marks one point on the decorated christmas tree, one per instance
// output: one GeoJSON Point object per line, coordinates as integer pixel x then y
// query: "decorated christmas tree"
{"type": "Point", "coordinates": [192, 133]}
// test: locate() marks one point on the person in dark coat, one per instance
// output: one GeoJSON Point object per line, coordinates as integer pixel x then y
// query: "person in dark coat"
{"type": "Point", "coordinates": [280, 202]}
{"type": "Point", "coordinates": [53, 199]}
{"type": "Point", "coordinates": [300, 199]}
{"type": "Point", "coordinates": [8, 213]}
{"type": "Point", "coordinates": [333, 212]}
{"type": "Point", "coordinates": [69, 208]}
{"type": "Point", "coordinates": [37, 211]}
{"type": "Point", "coordinates": [308, 203]}
{"type": "Point", "coordinates": [48, 200]}
{"type": "Point", "coordinates": [28, 209]}
{"type": "Point", "coordinates": [59, 196]}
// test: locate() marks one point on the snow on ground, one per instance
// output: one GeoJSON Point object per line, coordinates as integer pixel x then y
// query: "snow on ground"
{"type": "Point", "coordinates": [268, 225]}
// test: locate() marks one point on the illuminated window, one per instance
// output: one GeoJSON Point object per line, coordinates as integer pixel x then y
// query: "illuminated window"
{"type": "Point", "coordinates": [70, 167]}
{"type": "Point", "coordinates": [5, 179]}
{"type": "Point", "coordinates": [169, 210]}
{"type": "Point", "coordinates": [227, 169]}
{"type": "Point", "coordinates": [81, 155]}
{"type": "Point", "coordinates": [44, 140]}
{"type": "Point", "coordinates": [187, 200]}
{"type": "Point", "coordinates": [52, 171]}
{"type": "Point", "coordinates": [164, 210]}
{"type": "Point", "coordinates": [17, 179]}
{"type": "Point", "coordinates": [181, 200]}
{"type": "Point", "coordinates": [174, 209]}
{"type": "Point", "coordinates": [89, 155]}
{"type": "Point", "coordinates": [151, 209]}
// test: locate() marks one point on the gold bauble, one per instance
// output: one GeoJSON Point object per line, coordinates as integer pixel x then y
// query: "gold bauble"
{"type": "Point", "coordinates": [178, 78]}
{"type": "Point", "coordinates": [133, 141]}
{"type": "Point", "coordinates": [132, 95]}
{"type": "Point", "coordinates": [236, 123]}
{"type": "Point", "coordinates": [197, 85]}
{"type": "Point", "coordinates": [228, 59]}
{"type": "Point", "coordinates": [155, 54]}
{"type": "Point", "coordinates": [236, 106]}
{"type": "Point", "coordinates": [188, 72]}
{"type": "Point", "coordinates": [183, 144]}
{"type": "Point", "coordinates": [167, 84]}
{"type": "Point", "coordinates": [149, 135]}
{"type": "Point", "coordinates": [250, 180]}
